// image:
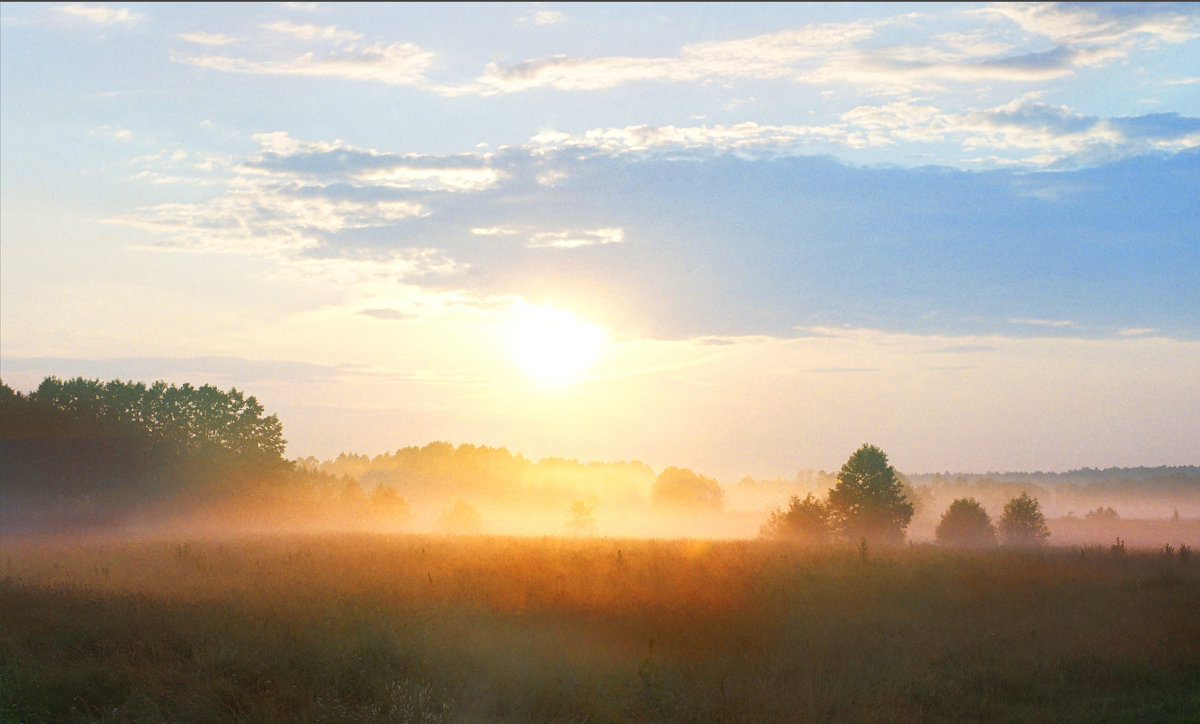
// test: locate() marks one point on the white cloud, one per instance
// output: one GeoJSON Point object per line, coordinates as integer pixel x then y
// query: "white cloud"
{"type": "Point", "coordinates": [1100, 23]}
{"type": "Point", "coordinates": [285, 157]}
{"type": "Point", "coordinates": [311, 32]}
{"type": "Point", "coordinates": [121, 134]}
{"type": "Point", "coordinates": [1044, 322]}
{"type": "Point", "coordinates": [494, 231]}
{"type": "Point", "coordinates": [576, 239]}
{"type": "Point", "coordinates": [101, 14]}
{"type": "Point", "coordinates": [772, 55]}
{"type": "Point", "coordinates": [279, 209]}
{"type": "Point", "coordinates": [202, 38]}
{"type": "Point", "coordinates": [546, 17]}
{"type": "Point", "coordinates": [1016, 128]}
{"type": "Point", "coordinates": [394, 64]}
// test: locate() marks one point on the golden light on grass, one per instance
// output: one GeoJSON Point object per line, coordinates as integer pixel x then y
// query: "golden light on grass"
{"type": "Point", "coordinates": [554, 347]}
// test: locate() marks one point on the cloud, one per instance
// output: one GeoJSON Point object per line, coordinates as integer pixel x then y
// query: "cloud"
{"type": "Point", "coordinates": [394, 64]}
{"type": "Point", "coordinates": [121, 134]}
{"type": "Point", "coordinates": [286, 157]}
{"type": "Point", "coordinates": [202, 38]}
{"type": "Point", "coordinates": [771, 55]}
{"type": "Point", "coordinates": [1025, 124]}
{"type": "Point", "coordinates": [576, 239]}
{"type": "Point", "coordinates": [101, 14]}
{"type": "Point", "coordinates": [833, 53]}
{"type": "Point", "coordinates": [545, 17]}
{"type": "Point", "coordinates": [315, 32]}
{"type": "Point", "coordinates": [495, 231]}
{"type": "Point", "coordinates": [938, 248]}
{"type": "Point", "coordinates": [1044, 322]}
{"type": "Point", "coordinates": [1101, 23]}
{"type": "Point", "coordinates": [386, 314]}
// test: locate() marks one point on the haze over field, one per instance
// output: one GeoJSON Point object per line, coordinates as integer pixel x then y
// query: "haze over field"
{"type": "Point", "coordinates": [740, 238]}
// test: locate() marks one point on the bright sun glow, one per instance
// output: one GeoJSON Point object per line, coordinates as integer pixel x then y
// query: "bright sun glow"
{"type": "Point", "coordinates": [553, 346]}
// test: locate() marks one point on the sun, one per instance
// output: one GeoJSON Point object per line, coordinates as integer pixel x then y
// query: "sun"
{"type": "Point", "coordinates": [554, 347]}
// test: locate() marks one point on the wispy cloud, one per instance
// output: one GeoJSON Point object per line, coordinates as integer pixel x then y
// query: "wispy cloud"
{"type": "Point", "coordinates": [773, 55]}
{"type": "Point", "coordinates": [101, 14]}
{"type": "Point", "coordinates": [834, 53]}
{"type": "Point", "coordinates": [117, 132]}
{"type": "Point", "coordinates": [310, 32]}
{"type": "Point", "coordinates": [394, 64]}
{"type": "Point", "coordinates": [1101, 23]}
{"type": "Point", "coordinates": [1026, 124]}
{"type": "Point", "coordinates": [202, 38]}
{"type": "Point", "coordinates": [539, 16]}
{"type": "Point", "coordinates": [391, 315]}
{"type": "Point", "coordinates": [1044, 322]}
{"type": "Point", "coordinates": [324, 51]}
{"type": "Point", "coordinates": [576, 239]}
{"type": "Point", "coordinates": [731, 260]}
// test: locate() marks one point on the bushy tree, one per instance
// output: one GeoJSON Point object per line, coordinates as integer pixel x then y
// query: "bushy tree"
{"type": "Point", "coordinates": [682, 489]}
{"type": "Point", "coordinates": [461, 519]}
{"type": "Point", "coordinates": [804, 520]}
{"type": "Point", "coordinates": [868, 500]}
{"type": "Point", "coordinates": [1022, 522]}
{"type": "Point", "coordinates": [1102, 513]}
{"type": "Point", "coordinates": [966, 523]}
{"type": "Point", "coordinates": [581, 521]}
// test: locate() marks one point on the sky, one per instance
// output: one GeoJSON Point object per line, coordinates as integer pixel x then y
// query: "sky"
{"type": "Point", "coordinates": [740, 238]}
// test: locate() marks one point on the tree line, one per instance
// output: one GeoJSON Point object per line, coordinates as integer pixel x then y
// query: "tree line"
{"type": "Point", "coordinates": [85, 448]}
{"type": "Point", "coordinates": [869, 503]}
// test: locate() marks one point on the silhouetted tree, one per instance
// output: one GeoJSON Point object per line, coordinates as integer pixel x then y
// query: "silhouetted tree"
{"type": "Point", "coordinates": [388, 504]}
{"type": "Point", "coordinates": [1102, 513]}
{"type": "Point", "coordinates": [804, 520]}
{"type": "Point", "coordinates": [682, 489]}
{"type": "Point", "coordinates": [83, 450]}
{"type": "Point", "coordinates": [966, 523]}
{"type": "Point", "coordinates": [581, 521]}
{"type": "Point", "coordinates": [1022, 522]}
{"type": "Point", "coordinates": [868, 500]}
{"type": "Point", "coordinates": [463, 519]}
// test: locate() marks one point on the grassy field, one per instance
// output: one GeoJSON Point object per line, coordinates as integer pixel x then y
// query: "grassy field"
{"type": "Point", "coordinates": [428, 629]}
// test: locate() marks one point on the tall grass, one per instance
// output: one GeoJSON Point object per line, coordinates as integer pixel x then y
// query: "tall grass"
{"type": "Point", "coordinates": [428, 628]}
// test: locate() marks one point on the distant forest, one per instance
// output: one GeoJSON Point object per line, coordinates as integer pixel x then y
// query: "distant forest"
{"type": "Point", "coordinates": [89, 452]}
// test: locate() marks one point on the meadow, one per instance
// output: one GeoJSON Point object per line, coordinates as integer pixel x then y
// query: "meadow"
{"type": "Point", "coordinates": [425, 628]}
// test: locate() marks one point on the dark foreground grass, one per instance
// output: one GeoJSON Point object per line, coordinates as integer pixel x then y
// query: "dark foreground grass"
{"type": "Point", "coordinates": [431, 629]}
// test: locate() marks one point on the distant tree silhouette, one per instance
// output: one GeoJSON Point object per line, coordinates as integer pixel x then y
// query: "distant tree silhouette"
{"type": "Point", "coordinates": [1023, 523]}
{"type": "Point", "coordinates": [966, 523]}
{"type": "Point", "coordinates": [682, 489]}
{"type": "Point", "coordinates": [1102, 513]}
{"type": "Point", "coordinates": [462, 519]}
{"type": "Point", "coordinates": [83, 450]}
{"type": "Point", "coordinates": [868, 500]}
{"type": "Point", "coordinates": [581, 521]}
{"type": "Point", "coordinates": [804, 520]}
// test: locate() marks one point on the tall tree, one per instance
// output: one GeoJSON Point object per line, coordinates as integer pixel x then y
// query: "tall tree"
{"type": "Point", "coordinates": [868, 500]}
